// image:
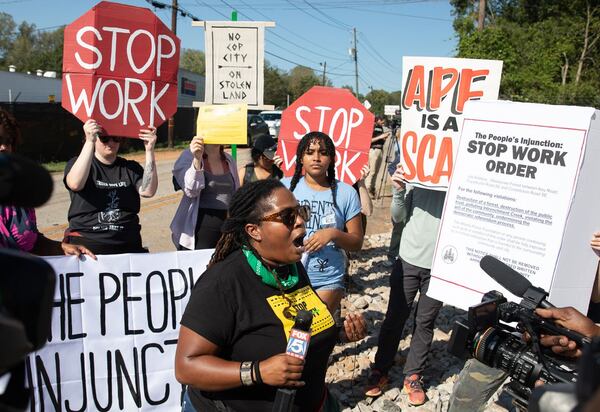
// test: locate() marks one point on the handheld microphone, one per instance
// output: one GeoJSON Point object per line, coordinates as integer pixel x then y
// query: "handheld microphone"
{"type": "Point", "coordinates": [515, 283]}
{"type": "Point", "coordinates": [23, 182]}
{"type": "Point", "coordinates": [297, 347]}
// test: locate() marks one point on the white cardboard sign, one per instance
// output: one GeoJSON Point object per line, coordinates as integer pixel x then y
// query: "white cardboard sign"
{"type": "Point", "coordinates": [434, 94]}
{"type": "Point", "coordinates": [114, 332]}
{"type": "Point", "coordinates": [235, 62]}
{"type": "Point", "coordinates": [524, 189]}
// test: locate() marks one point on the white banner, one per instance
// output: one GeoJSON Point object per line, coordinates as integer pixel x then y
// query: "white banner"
{"type": "Point", "coordinates": [521, 192]}
{"type": "Point", "coordinates": [115, 326]}
{"type": "Point", "coordinates": [434, 94]}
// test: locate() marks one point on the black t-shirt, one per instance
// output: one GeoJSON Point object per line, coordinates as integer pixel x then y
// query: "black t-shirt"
{"type": "Point", "coordinates": [377, 130]}
{"type": "Point", "coordinates": [231, 307]}
{"type": "Point", "coordinates": [106, 209]}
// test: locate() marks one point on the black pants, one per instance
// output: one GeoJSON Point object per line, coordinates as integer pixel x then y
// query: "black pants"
{"type": "Point", "coordinates": [405, 281]}
{"type": "Point", "coordinates": [208, 227]}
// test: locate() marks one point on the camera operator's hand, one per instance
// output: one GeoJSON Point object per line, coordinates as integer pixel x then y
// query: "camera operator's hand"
{"type": "Point", "coordinates": [595, 243]}
{"type": "Point", "coordinates": [572, 319]}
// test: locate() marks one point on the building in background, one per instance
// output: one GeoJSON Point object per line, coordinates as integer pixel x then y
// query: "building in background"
{"type": "Point", "coordinates": [44, 87]}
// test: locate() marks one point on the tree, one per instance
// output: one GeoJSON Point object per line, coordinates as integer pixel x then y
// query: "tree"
{"type": "Point", "coordinates": [276, 86]}
{"type": "Point", "coordinates": [7, 29]}
{"type": "Point", "coordinates": [378, 99]}
{"type": "Point", "coordinates": [193, 60]}
{"type": "Point", "coordinates": [301, 79]}
{"type": "Point", "coordinates": [549, 47]}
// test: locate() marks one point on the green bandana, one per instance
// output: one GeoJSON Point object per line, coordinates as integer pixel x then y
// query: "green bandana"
{"type": "Point", "coordinates": [268, 276]}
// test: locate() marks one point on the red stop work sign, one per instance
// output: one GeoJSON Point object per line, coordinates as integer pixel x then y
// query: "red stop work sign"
{"type": "Point", "coordinates": [337, 113]}
{"type": "Point", "coordinates": [120, 68]}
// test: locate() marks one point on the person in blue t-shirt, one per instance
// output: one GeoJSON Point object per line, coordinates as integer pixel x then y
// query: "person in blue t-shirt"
{"type": "Point", "coordinates": [335, 225]}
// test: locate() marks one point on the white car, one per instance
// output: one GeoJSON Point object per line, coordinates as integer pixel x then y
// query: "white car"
{"type": "Point", "coordinates": [273, 119]}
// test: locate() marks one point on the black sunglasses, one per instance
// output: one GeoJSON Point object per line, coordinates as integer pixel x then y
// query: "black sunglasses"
{"type": "Point", "coordinates": [289, 215]}
{"type": "Point", "coordinates": [106, 139]}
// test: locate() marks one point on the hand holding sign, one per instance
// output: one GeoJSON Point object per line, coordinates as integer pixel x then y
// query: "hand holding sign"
{"type": "Point", "coordinates": [92, 130]}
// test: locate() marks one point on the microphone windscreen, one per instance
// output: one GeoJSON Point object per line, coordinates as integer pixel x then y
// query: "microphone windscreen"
{"type": "Point", "coordinates": [506, 276]}
{"type": "Point", "coordinates": [23, 182]}
{"type": "Point", "coordinates": [303, 320]}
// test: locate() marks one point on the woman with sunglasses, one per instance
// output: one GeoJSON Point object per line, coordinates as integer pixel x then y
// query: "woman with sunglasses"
{"type": "Point", "coordinates": [105, 192]}
{"type": "Point", "coordinates": [235, 328]}
{"type": "Point", "coordinates": [336, 225]}
{"type": "Point", "coordinates": [208, 177]}
{"type": "Point", "coordinates": [265, 163]}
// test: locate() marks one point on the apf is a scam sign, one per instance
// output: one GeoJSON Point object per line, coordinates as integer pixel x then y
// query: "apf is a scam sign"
{"type": "Point", "coordinates": [115, 325]}
{"type": "Point", "coordinates": [433, 98]}
{"type": "Point", "coordinates": [120, 68]}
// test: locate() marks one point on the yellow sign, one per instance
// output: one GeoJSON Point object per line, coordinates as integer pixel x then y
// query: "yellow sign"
{"type": "Point", "coordinates": [223, 124]}
{"type": "Point", "coordinates": [302, 299]}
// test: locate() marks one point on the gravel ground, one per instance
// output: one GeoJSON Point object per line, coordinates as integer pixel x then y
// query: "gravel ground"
{"type": "Point", "coordinates": [368, 293]}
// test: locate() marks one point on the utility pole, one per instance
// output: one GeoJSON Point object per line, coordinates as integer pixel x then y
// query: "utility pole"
{"type": "Point", "coordinates": [481, 17]}
{"type": "Point", "coordinates": [171, 124]}
{"type": "Point", "coordinates": [324, 70]}
{"type": "Point", "coordinates": [355, 55]}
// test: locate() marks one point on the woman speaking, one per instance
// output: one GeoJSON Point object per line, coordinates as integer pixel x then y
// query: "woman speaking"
{"type": "Point", "coordinates": [232, 341]}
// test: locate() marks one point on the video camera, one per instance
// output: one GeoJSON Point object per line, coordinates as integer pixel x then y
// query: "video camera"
{"type": "Point", "coordinates": [498, 345]}
{"type": "Point", "coordinates": [26, 283]}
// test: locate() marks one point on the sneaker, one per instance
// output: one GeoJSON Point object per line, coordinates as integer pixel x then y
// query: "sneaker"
{"type": "Point", "coordinates": [413, 387]}
{"type": "Point", "coordinates": [376, 383]}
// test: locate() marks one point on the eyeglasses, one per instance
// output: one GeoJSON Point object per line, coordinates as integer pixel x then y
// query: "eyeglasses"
{"type": "Point", "coordinates": [289, 215]}
{"type": "Point", "coordinates": [106, 139]}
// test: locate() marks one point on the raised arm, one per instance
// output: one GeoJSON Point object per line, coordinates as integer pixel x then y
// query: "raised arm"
{"type": "Point", "coordinates": [189, 168]}
{"type": "Point", "coordinates": [80, 170]}
{"type": "Point", "coordinates": [150, 178]}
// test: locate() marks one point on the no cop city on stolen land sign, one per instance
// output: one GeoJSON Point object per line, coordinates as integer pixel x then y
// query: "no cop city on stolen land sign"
{"type": "Point", "coordinates": [235, 62]}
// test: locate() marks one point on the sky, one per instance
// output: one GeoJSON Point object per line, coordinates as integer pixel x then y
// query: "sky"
{"type": "Point", "coordinates": [307, 32]}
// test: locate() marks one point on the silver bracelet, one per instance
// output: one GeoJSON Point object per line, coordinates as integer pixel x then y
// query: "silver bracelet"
{"type": "Point", "coordinates": [246, 373]}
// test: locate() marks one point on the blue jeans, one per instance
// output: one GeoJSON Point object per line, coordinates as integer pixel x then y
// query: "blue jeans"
{"type": "Point", "coordinates": [187, 403]}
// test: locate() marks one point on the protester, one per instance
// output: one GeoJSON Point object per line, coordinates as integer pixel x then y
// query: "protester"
{"type": "Point", "coordinates": [105, 192]}
{"type": "Point", "coordinates": [335, 225]}
{"type": "Point", "coordinates": [265, 163]}
{"type": "Point", "coordinates": [233, 335]}
{"type": "Point", "coordinates": [209, 178]}
{"type": "Point", "coordinates": [477, 382]}
{"type": "Point", "coordinates": [376, 152]}
{"type": "Point", "coordinates": [421, 210]}
{"type": "Point", "coordinates": [18, 225]}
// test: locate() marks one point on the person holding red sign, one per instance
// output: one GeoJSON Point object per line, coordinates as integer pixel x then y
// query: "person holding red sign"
{"type": "Point", "coordinates": [231, 350]}
{"type": "Point", "coordinates": [209, 178]}
{"type": "Point", "coordinates": [336, 224]}
{"type": "Point", "coordinates": [105, 192]}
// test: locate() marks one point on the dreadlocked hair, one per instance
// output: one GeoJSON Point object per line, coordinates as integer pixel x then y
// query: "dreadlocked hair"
{"type": "Point", "coordinates": [248, 205]}
{"type": "Point", "coordinates": [9, 125]}
{"type": "Point", "coordinates": [322, 139]}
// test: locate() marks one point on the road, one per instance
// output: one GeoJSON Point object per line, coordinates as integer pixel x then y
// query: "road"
{"type": "Point", "coordinates": [155, 213]}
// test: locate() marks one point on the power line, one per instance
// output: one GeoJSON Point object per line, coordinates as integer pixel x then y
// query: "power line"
{"type": "Point", "coordinates": [291, 32]}
{"type": "Point", "coordinates": [313, 16]}
{"type": "Point", "coordinates": [303, 65]}
{"type": "Point", "coordinates": [370, 46]}
{"type": "Point", "coordinates": [201, 3]}
{"type": "Point", "coordinates": [333, 20]}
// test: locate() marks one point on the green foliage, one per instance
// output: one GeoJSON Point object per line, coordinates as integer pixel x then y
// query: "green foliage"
{"type": "Point", "coordinates": [192, 60]}
{"type": "Point", "coordinates": [276, 86]}
{"type": "Point", "coordinates": [542, 44]}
